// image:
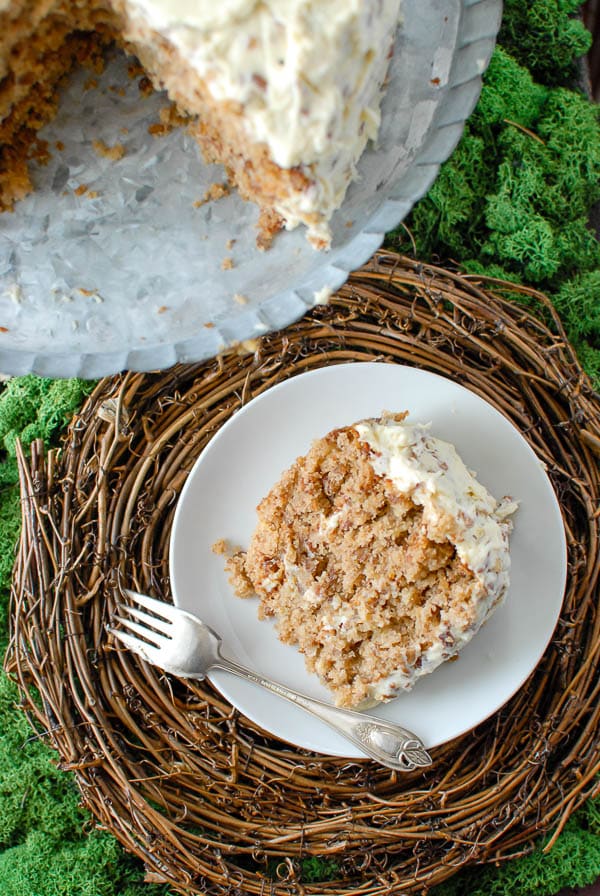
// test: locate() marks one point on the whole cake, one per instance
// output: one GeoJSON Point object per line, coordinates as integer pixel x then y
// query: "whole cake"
{"type": "Point", "coordinates": [379, 555]}
{"type": "Point", "coordinates": [284, 93]}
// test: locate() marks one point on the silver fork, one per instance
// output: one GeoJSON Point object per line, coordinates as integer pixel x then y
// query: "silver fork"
{"type": "Point", "coordinates": [180, 643]}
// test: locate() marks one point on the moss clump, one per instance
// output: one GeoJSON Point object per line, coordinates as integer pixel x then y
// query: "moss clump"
{"type": "Point", "coordinates": [316, 870]}
{"type": "Point", "coordinates": [45, 849]}
{"type": "Point", "coordinates": [545, 36]}
{"type": "Point", "coordinates": [578, 303]}
{"type": "Point", "coordinates": [536, 217]}
{"type": "Point", "coordinates": [514, 199]}
{"type": "Point", "coordinates": [43, 865]}
{"type": "Point", "coordinates": [33, 792]}
{"type": "Point", "coordinates": [37, 408]}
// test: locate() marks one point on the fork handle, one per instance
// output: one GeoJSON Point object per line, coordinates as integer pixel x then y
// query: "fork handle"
{"type": "Point", "coordinates": [386, 743]}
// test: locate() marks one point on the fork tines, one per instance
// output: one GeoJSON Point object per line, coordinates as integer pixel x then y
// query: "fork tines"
{"type": "Point", "coordinates": [152, 628]}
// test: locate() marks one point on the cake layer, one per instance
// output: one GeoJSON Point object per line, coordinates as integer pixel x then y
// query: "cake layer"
{"type": "Point", "coordinates": [379, 556]}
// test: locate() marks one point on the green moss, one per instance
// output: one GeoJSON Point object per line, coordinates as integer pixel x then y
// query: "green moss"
{"type": "Point", "coordinates": [578, 303]}
{"type": "Point", "coordinates": [452, 211]}
{"type": "Point", "coordinates": [545, 37]}
{"type": "Point", "coordinates": [509, 92]}
{"type": "Point", "coordinates": [536, 217]}
{"type": "Point", "coordinates": [10, 526]}
{"type": "Point", "coordinates": [44, 847]}
{"type": "Point", "coordinates": [32, 407]}
{"type": "Point", "coordinates": [47, 866]}
{"type": "Point", "coordinates": [33, 792]}
{"type": "Point", "coordinates": [315, 870]}
{"type": "Point", "coordinates": [515, 197]}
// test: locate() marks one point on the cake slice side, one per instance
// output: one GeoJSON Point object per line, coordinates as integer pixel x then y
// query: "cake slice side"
{"type": "Point", "coordinates": [373, 584]}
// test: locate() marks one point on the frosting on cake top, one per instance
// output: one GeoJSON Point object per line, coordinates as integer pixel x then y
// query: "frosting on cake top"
{"type": "Point", "coordinates": [455, 505]}
{"type": "Point", "coordinates": [308, 73]}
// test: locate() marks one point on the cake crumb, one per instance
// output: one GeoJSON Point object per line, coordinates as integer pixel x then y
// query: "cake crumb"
{"type": "Point", "coordinates": [264, 241]}
{"type": "Point", "coordinates": [114, 153]}
{"type": "Point", "coordinates": [227, 263]}
{"type": "Point", "coordinates": [4, 330]}
{"type": "Point", "coordinates": [162, 309]}
{"type": "Point", "coordinates": [170, 118]}
{"type": "Point", "coordinates": [215, 191]}
{"type": "Point", "coordinates": [157, 130]}
{"type": "Point", "coordinates": [145, 86]}
{"type": "Point", "coordinates": [209, 325]}
{"type": "Point", "coordinates": [90, 294]}
{"type": "Point", "coordinates": [235, 566]}
{"type": "Point", "coordinates": [240, 299]}
{"type": "Point", "coordinates": [229, 245]}
{"type": "Point", "coordinates": [59, 145]}
{"type": "Point", "coordinates": [134, 70]}
{"type": "Point", "coordinates": [246, 346]}
{"type": "Point", "coordinates": [84, 190]}
{"type": "Point", "coordinates": [90, 84]}
{"type": "Point", "coordinates": [173, 117]}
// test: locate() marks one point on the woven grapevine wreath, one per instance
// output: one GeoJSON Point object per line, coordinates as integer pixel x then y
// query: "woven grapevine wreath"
{"type": "Point", "coordinates": [209, 802]}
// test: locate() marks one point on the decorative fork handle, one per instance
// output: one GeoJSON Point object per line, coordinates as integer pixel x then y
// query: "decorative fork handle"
{"type": "Point", "coordinates": [388, 744]}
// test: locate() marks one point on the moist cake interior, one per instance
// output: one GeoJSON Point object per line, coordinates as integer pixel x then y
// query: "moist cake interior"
{"type": "Point", "coordinates": [345, 565]}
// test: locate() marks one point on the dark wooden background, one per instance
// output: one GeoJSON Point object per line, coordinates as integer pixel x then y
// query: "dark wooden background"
{"type": "Point", "coordinates": [591, 17]}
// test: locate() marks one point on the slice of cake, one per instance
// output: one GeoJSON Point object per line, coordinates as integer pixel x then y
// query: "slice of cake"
{"type": "Point", "coordinates": [379, 555]}
{"type": "Point", "coordinates": [284, 93]}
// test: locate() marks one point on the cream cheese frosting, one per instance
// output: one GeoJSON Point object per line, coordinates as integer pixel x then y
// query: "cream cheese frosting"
{"type": "Point", "coordinates": [309, 75]}
{"type": "Point", "coordinates": [455, 507]}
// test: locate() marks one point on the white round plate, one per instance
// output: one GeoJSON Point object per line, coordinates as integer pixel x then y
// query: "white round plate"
{"type": "Point", "coordinates": [245, 459]}
{"type": "Point", "coordinates": [110, 265]}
